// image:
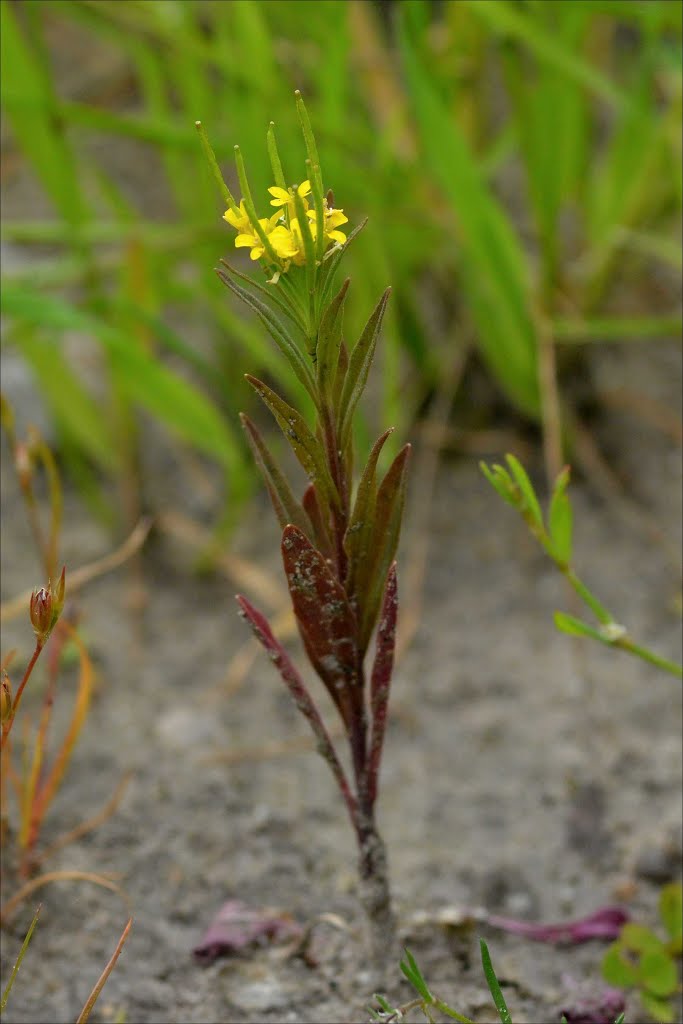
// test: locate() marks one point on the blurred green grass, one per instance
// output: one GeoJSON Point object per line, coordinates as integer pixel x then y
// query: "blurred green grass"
{"type": "Point", "coordinates": [520, 163]}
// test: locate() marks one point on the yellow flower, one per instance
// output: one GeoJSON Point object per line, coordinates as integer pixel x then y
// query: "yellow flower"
{"type": "Point", "coordinates": [285, 198]}
{"type": "Point", "coordinates": [240, 221]}
{"type": "Point", "coordinates": [251, 239]}
{"type": "Point", "coordinates": [333, 218]}
{"type": "Point", "coordinates": [288, 243]}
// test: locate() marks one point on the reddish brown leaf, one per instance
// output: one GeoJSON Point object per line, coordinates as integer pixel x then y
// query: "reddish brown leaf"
{"type": "Point", "coordinates": [319, 534]}
{"type": "Point", "coordinates": [386, 531]}
{"type": "Point", "coordinates": [300, 694]}
{"type": "Point", "coordinates": [287, 508]}
{"type": "Point", "coordinates": [237, 926]}
{"type": "Point", "coordinates": [325, 618]}
{"type": "Point", "coordinates": [359, 535]}
{"type": "Point", "coordinates": [380, 681]}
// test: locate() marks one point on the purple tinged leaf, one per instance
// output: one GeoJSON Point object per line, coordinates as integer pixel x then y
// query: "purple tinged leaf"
{"type": "Point", "coordinates": [386, 531]}
{"type": "Point", "coordinates": [300, 695]}
{"type": "Point", "coordinates": [326, 621]}
{"type": "Point", "coordinates": [605, 923]}
{"type": "Point", "coordinates": [287, 508]}
{"type": "Point", "coordinates": [380, 681]}
{"type": "Point", "coordinates": [305, 445]}
{"type": "Point", "coordinates": [320, 535]}
{"type": "Point", "coordinates": [329, 342]}
{"type": "Point", "coordinates": [237, 926]}
{"type": "Point", "coordinates": [360, 361]}
{"type": "Point", "coordinates": [359, 534]}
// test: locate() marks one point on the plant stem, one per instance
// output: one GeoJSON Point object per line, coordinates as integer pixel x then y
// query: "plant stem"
{"type": "Point", "coordinates": [375, 894]}
{"type": "Point", "coordinates": [647, 655]}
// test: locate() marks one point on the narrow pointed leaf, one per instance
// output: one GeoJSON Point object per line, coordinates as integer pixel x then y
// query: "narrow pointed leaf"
{"type": "Point", "coordinates": [278, 333]}
{"type": "Point", "coordinates": [320, 535]}
{"type": "Point", "coordinates": [329, 342]}
{"type": "Point", "coordinates": [325, 618]}
{"type": "Point", "coordinates": [526, 487]}
{"type": "Point", "coordinates": [359, 535]}
{"type": "Point", "coordinates": [560, 520]}
{"type": "Point", "coordinates": [575, 627]}
{"type": "Point", "coordinates": [332, 258]}
{"type": "Point", "coordinates": [386, 531]}
{"type": "Point", "coordinates": [272, 294]}
{"type": "Point", "coordinates": [300, 694]}
{"type": "Point", "coordinates": [287, 508]}
{"type": "Point", "coordinates": [304, 444]}
{"type": "Point", "coordinates": [500, 479]}
{"type": "Point", "coordinates": [359, 367]}
{"type": "Point", "coordinates": [340, 376]}
{"type": "Point", "coordinates": [380, 681]}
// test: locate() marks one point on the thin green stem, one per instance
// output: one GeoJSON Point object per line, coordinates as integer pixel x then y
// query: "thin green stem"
{"type": "Point", "coordinates": [278, 173]}
{"type": "Point", "coordinates": [24, 947]}
{"type": "Point", "coordinates": [27, 675]}
{"type": "Point", "coordinates": [585, 594]}
{"type": "Point", "coordinates": [250, 208]}
{"type": "Point", "coordinates": [213, 164]}
{"type": "Point", "coordinates": [647, 655]}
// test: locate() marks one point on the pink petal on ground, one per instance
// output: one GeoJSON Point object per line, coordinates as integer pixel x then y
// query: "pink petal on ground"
{"type": "Point", "coordinates": [605, 923]}
{"type": "Point", "coordinates": [238, 926]}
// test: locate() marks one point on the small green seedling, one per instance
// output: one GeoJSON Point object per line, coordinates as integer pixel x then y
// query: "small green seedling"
{"type": "Point", "coordinates": [427, 1001]}
{"type": "Point", "coordinates": [640, 959]}
{"type": "Point", "coordinates": [554, 534]}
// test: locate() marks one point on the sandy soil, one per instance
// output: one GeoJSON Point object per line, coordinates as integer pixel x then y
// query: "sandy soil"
{"type": "Point", "coordinates": [521, 773]}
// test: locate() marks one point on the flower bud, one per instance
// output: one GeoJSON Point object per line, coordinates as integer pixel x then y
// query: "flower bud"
{"type": "Point", "coordinates": [40, 611]}
{"type": "Point", "coordinates": [5, 699]}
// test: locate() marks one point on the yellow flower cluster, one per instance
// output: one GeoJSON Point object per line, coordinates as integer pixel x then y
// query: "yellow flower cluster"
{"type": "Point", "coordinates": [282, 229]}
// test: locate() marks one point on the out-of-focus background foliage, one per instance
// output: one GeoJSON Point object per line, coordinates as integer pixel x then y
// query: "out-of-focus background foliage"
{"type": "Point", "coordinates": [519, 160]}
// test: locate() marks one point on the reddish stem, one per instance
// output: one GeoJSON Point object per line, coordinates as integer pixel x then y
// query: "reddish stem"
{"type": "Point", "coordinates": [27, 675]}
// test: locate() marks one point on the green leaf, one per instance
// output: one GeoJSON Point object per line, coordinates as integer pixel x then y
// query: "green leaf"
{"type": "Point", "coordinates": [303, 442]}
{"type": "Point", "coordinates": [359, 535]}
{"type": "Point", "coordinates": [287, 508]}
{"type": "Point", "coordinates": [79, 415]}
{"type": "Point", "coordinates": [493, 264]}
{"type": "Point", "coordinates": [658, 972]}
{"type": "Point", "coordinates": [617, 968]}
{"type": "Point", "coordinates": [29, 100]}
{"type": "Point", "coordinates": [277, 331]}
{"type": "Point", "coordinates": [660, 1010]}
{"type": "Point", "coordinates": [360, 361]}
{"type": "Point", "coordinates": [575, 627]}
{"type": "Point", "coordinates": [526, 487]}
{"type": "Point", "coordinates": [514, 22]}
{"type": "Point", "coordinates": [501, 480]}
{"type": "Point", "coordinates": [560, 520]}
{"type": "Point", "coordinates": [386, 531]}
{"type": "Point", "coordinates": [414, 976]}
{"type": "Point", "coordinates": [145, 380]}
{"type": "Point", "coordinates": [329, 342]}
{"type": "Point", "coordinates": [641, 939]}
{"type": "Point", "coordinates": [493, 984]}
{"type": "Point", "coordinates": [671, 910]}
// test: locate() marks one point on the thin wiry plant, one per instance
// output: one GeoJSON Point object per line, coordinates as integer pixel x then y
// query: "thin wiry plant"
{"type": "Point", "coordinates": [338, 550]}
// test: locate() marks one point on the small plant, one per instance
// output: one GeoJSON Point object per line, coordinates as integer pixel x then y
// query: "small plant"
{"type": "Point", "coordinates": [36, 783]}
{"type": "Point", "coordinates": [427, 1001]}
{"type": "Point", "coordinates": [555, 537]}
{"type": "Point", "coordinates": [338, 553]}
{"type": "Point", "coordinates": [640, 959]}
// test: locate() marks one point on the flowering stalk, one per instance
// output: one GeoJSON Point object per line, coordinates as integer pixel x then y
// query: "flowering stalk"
{"type": "Point", "coordinates": [338, 553]}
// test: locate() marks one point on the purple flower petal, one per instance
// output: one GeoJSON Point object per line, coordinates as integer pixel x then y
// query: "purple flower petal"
{"type": "Point", "coordinates": [237, 926]}
{"type": "Point", "coordinates": [605, 923]}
